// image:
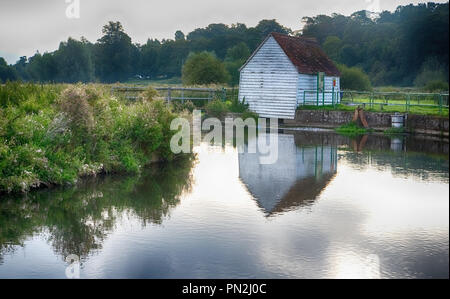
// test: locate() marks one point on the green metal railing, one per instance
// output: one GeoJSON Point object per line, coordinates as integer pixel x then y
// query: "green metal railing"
{"type": "Point", "coordinates": [176, 93]}
{"type": "Point", "coordinates": [428, 102]}
{"type": "Point", "coordinates": [320, 98]}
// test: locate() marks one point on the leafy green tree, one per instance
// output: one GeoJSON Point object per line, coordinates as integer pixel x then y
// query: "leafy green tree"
{"type": "Point", "coordinates": [265, 27]}
{"type": "Point", "coordinates": [236, 57]}
{"type": "Point", "coordinates": [7, 73]}
{"type": "Point", "coordinates": [74, 62]}
{"type": "Point", "coordinates": [239, 52]}
{"type": "Point", "coordinates": [114, 54]}
{"type": "Point", "coordinates": [150, 58]}
{"type": "Point", "coordinates": [332, 46]}
{"type": "Point", "coordinates": [391, 48]}
{"type": "Point", "coordinates": [21, 68]}
{"type": "Point", "coordinates": [354, 78]}
{"type": "Point", "coordinates": [204, 68]}
{"type": "Point", "coordinates": [232, 68]}
{"type": "Point", "coordinates": [431, 71]}
{"type": "Point", "coordinates": [179, 35]}
{"type": "Point", "coordinates": [42, 68]}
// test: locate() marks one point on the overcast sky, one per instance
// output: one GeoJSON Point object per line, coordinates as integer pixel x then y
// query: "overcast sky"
{"type": "Point", "coordinates": [27, 26]}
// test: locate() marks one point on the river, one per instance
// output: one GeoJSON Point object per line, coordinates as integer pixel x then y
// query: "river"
{"type": "Point", "coordinates": [330, 207]}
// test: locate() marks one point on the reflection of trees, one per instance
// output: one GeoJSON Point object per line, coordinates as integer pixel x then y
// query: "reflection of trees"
{"type": "Point", "coordinates": [79, 219]}
{"type": "Point", "coordinates": [404, 164]}
{"type": "Point", "coordinates": [418, 156]}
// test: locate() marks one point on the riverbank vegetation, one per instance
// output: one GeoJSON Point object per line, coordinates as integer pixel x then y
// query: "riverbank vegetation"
{"type": "Point", "coordinates": [352, 129]}
{"type": "Point", "coordinates": [220, 109]}
{"type": "Point", "coordinates": [55, 134]}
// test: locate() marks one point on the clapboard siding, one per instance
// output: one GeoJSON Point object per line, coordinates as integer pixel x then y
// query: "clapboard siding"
{"type": "Point", "coordinates": [268, 82]}
{"type": "Point", "coordinates": [273, 87]}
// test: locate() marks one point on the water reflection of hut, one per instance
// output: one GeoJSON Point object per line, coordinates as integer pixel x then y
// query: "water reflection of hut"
{"type": "Point", "coordinates": [296, 179]}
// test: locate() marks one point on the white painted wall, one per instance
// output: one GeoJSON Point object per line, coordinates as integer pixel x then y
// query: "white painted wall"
{"type": "Point", "coordinates": [269, 82]}
{"type": "Point", "coordinates": [273, 88]}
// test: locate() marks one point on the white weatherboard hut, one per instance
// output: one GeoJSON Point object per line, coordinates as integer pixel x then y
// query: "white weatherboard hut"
{"type": "Point", "coordinates": [285, 72]}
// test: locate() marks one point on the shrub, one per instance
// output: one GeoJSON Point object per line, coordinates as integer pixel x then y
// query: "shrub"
{"type": "Point", "coordinates": [432, 70]}
{"type": "Point", "coordinates": [354, 78]}
{"type": "Point", "coordinates": [149, 94]}
{"type": "Point", "coordinates": [217, 109]}
{"type": "Point", "coordinates": [58, 143]}
{"type": "Point", "coordinates": [204, 68]}
{"type": "Point", "coordinates": [74, 103]}
{"type": "Point", "coordinates": [238, 106]}
{"type": "Point", "coordinates": [250, 114]}
{"type": "Point", "coordinates": [436, 86]}
{"type": "Point", "coordinates": [186, 106]}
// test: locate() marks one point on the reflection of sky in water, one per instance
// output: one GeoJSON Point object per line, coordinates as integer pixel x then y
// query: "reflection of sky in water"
{"type": "Point", "coordinates": [365, 219]}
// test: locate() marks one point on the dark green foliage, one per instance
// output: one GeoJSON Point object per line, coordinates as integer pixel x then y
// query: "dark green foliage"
{"type": "Point", "coordinates": [265, 27]}
{"type": "Point", "coordinates": [237, 106]}
{"type": "Point", "coordinates": [75, 62]}
{"type": "Point", "coordinates": [204, 68]}
{"type": "Point", "coordinates": [351, 129]}
{"type": "Point", "coordinates": [436, 86]}
{"type": "Point", "coordinates": [353, 78]}
{"type": "Point", "coordinates": [391, 48]}
{"type": "Point", "coordinates": [236, 57]}
{"type": "Point", "coordinates": [249, 114]}
{"type": "Point", "coordinates": [114, 54]}
{"type": "Point", "coordinates": [217, 109]}
{"type": "Point", "coordinates": [433, 76]}
{"type": "Point", "coordinates": [115, 58]}
{"type": "Point", "coordinates": [7, 73]}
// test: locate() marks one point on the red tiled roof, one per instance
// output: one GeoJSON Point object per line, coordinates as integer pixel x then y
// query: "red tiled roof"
{"type": "Point", "coordinates": [306, 55]}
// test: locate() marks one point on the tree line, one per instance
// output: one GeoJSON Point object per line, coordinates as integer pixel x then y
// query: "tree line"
{"type": "Point", "coordinates": [114, 57]}
{"type": "Point", "coordinates": [405, 47]}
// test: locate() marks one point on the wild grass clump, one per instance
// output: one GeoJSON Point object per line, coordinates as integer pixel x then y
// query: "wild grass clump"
{"type": "Point", "coordinates": [79, 113]}
{"type": "Point", "coordinates": [149, 94]}
{"type": "Point", "coordinates": [237, 106]}
{"type": "Point", "coordinates": [352, 129]}
{"type": "Point", "coordinates": [249, 114]}
{"type": "Point", "coordinates": [52, 135]}
{"type": "Point", "coordinates": [217, 108]}
{"type": "Point", "coordinates": [183, 106]}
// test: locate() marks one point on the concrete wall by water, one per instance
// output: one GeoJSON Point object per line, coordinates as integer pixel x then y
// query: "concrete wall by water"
{"type": "Point", "coordinates": [331, 119]}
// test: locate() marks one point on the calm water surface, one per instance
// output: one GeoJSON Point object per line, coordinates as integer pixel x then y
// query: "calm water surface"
{"type": "Point", "coordinates": [331, 207]}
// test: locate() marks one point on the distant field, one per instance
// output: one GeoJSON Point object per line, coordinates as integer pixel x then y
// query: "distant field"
{"type": "Point", "coordinates": [412, 102]}
{"type": "Point", "coordinates": [162, 82]}
{"type": "Point", "coordinates": [377, 108]}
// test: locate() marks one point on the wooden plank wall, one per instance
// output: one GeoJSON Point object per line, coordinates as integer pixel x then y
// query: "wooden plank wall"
{"type": "Point", "coordinates": [269, 82]}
